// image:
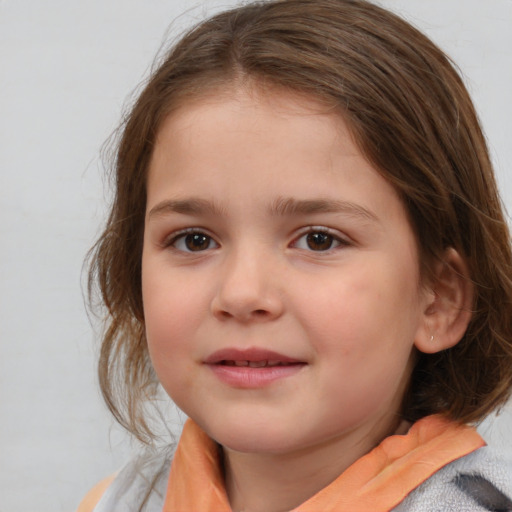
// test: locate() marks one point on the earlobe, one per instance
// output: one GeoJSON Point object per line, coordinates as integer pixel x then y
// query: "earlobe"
{"type": "Point", "coordinates": [448, 309]}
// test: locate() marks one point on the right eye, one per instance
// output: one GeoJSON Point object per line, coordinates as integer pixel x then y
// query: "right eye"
{"type": "Point", "coordinates": [193, 241]}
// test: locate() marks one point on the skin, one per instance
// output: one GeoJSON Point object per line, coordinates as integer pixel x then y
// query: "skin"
{"type": "Point", "coordinates": [241, 172]}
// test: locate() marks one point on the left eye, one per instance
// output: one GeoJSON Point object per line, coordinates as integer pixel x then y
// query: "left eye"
{"type": "Point", "coordinates": [317, 241]}
{"type": "Point", "coordinates": [193, 242]}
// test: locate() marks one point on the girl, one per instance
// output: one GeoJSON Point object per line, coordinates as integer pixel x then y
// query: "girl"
{"type": "Point", "coordinates": [307, 250]}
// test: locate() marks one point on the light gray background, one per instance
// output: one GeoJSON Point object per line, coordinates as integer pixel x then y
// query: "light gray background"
{"type": "Point", "coordinates": [66, 68]}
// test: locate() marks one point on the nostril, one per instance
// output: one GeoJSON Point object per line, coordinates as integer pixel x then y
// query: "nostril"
{"type": "Point", "coordinates": [225, 306]}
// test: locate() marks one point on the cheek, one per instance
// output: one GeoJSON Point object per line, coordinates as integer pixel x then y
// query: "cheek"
{"type": "Point", "coordinates": [364, 314]}
{"type": "Point", "coordinates": [169, 300]}
{"type": "Point", "coordinates": [363, 336]}
{"type": "Point", "coordinates": [167, 345]}
{"type": "Point", "coordinates": [169, 313]}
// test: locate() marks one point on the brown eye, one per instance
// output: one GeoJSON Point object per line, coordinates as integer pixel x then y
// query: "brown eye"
{"type": "Point", "coordinates": [193, 242]}
{"type": "Point", "coordinates": [319, 241]}
{"type": "Point", "coordinates": [197, 242]}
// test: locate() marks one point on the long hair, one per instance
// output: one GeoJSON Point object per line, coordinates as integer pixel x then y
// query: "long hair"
{"type": "Point", "coordinates": [412, 118]}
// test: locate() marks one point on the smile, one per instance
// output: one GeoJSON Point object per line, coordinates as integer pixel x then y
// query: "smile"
{"type": "Point", "coordinates": [255, 364]}
{"type": "Point", "coordinates": [252, 368]}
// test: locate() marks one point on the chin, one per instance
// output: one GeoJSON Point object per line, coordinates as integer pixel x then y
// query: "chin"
{"type": "Point", "coordinates": [257, 444]}
{"type": "Point", "coordinates": [256, 437]}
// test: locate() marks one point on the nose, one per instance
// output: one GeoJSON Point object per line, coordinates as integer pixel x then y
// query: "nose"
{"type": "Point", "coordinates": [248, 289]}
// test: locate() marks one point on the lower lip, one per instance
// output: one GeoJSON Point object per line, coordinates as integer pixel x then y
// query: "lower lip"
{"type": "Point", "coordinates": [247, 377]}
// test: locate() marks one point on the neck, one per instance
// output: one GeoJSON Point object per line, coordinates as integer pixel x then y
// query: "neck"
{"type": "Point", "coordinates": [257, 482]}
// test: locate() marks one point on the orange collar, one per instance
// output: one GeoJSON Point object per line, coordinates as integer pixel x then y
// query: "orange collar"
{"type": "Point", "coordinates": [376, 482]}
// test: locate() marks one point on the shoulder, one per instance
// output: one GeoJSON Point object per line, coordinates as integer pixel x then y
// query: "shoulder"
{"type": "Point", "coordinates": [139, 486]}
{"type": "Point", "coordinates": [478, 482]}
{"type": "Point", "coordinates": [92, 498]}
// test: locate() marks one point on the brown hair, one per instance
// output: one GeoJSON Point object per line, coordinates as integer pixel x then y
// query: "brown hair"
{"type": "Point", "coordinates": [413, 119]}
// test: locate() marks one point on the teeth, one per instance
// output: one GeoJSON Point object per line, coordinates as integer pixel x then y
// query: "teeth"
{"type": "Point", "coordinates": [254, 364]}
{"type": "Point", "coordinates": [257, 364]}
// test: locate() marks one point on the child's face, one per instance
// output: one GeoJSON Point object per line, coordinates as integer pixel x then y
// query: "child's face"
{"type": "Point", "coordinates": [270, 239]}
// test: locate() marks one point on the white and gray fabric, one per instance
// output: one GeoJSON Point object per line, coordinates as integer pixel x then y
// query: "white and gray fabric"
{"type": "Point", "coordinates": [478, 482]}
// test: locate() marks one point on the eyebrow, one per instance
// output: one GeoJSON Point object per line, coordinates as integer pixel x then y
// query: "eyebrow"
{"type": "Point", "coordinates": [290, 206]}
{"type": "Point", "coordinates": [282, 206]}
{"type": "Point", "coordinates": [192, 206]}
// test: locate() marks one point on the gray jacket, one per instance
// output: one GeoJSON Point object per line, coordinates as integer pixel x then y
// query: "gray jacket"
{"type": "Point", "coordinates": [478, 482]}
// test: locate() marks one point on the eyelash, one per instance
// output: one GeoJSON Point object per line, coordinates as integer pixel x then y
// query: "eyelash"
{"type": "Point", "coordinates": [173, 240]}
{"type": "Point", "coordinates": [333, 240]}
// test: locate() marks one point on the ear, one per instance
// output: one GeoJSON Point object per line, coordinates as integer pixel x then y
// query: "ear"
{"type": "Point", "coordinates": [448, 308]}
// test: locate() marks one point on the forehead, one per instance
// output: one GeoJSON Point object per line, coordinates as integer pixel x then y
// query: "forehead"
{"type": "Point", "coordinates": [253, 107]}
{"type": "Point", "coordinates": [251, 93]}
{"type": "Point", "coordinates": [278, 143]}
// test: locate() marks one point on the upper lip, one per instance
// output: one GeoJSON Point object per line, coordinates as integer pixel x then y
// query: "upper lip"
{"type": "Point", "coordinates": [249, 354]}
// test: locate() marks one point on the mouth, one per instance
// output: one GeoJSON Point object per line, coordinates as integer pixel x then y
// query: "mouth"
{"type": "Point", "coordinates": [255, 364]}
{"type": "Point", "coordinates": [251, 357]}
{"type": "Point", "coordinates": [252, 368]}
